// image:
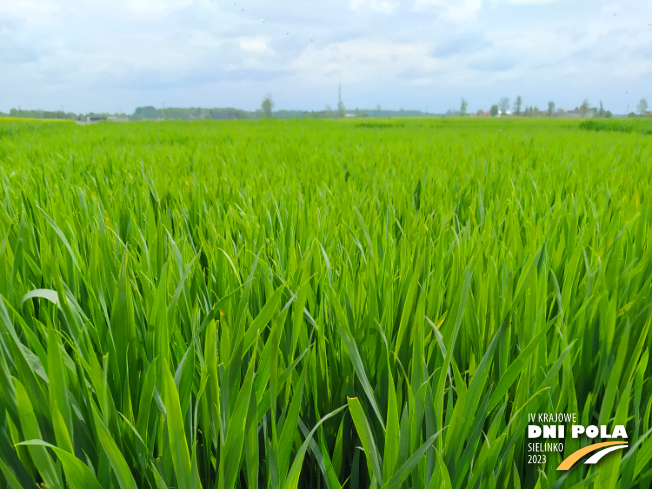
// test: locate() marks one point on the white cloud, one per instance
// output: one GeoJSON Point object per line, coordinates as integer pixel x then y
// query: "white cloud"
{"type": "Point", "coordinates": [254, 44]}
{"type": "Point", "coordinates": [384, 6]}
{"type": "Point", "coordinates": [463, 10]}
{"type": "Point", "coordinates": [29, 7]}
{"type": "Point", "coordinates": [457, 10]}
{"type": "Point", "coordinates": [525, 2]}
{"type": "Point", "coordinates": [151, 7]}
{"type": "Point", "coordinates": [138, 10]}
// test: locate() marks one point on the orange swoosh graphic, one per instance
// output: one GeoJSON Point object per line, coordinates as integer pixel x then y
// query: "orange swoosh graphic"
{"type": "Point", "coordinates": [575, 456]}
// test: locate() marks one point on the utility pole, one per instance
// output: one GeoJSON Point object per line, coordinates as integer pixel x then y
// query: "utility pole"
{"type": "Point", "coordinates": [339, 95]}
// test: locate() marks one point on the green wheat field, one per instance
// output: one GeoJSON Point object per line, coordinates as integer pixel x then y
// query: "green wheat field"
{"type": "Point", "coordinates": [364, 303]}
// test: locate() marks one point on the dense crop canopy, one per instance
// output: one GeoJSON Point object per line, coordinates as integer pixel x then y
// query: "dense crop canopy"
{"type": "Point", "coordinates": [320, 303]}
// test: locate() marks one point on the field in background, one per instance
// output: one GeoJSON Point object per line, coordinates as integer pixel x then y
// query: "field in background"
{"type": "Point", "coordinates": [5, 120]}
{"type": "Point", "coordinates": [356, 303]}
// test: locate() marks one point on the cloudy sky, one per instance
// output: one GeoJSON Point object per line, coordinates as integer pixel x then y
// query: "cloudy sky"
{"type": "Point", "coordinates": [96, 55]}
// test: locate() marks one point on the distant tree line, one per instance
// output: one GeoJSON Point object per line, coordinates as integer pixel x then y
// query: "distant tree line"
{"type": "Point", "coordinates": [56, 114]}
{"type": "Point", "coordinates": [41, 114]}
{"type": "Point", "coordinates": [191, 113]}
{"type": "Point", "coordinates": [196, 113]}
{"type": "Point", "coordinates": [266, 110]}
{"type": "Point", "coordinates": [502, 108]}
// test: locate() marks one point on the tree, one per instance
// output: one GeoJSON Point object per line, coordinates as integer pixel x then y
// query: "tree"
{"type": "Point", "coordinates": [148, 112]}
{"type": "Point", "coordinates": [601, 111]}
{"type": "Point", "coordinates": [463, 107]}
{"type": "Point", "coordinates": [341, 110]}
{"type": "Point", "coordinates": [267, 106]}
{"type": "Point", "coordinates": [517, 105]}
{"type": "Point", "coordinates": [584, 108]}
{"type": "Point", "coordinates": [503, 104]}
{"type": "Point", "coordinates": [494, 110]}
{"type": "Point", "coordinates": [641, 108]}
{"type": "Point", "coordinates": [551, 108]}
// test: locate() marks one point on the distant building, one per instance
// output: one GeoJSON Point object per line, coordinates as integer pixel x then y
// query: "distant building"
{"type": "Point", "coordinates": [95, 119]}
